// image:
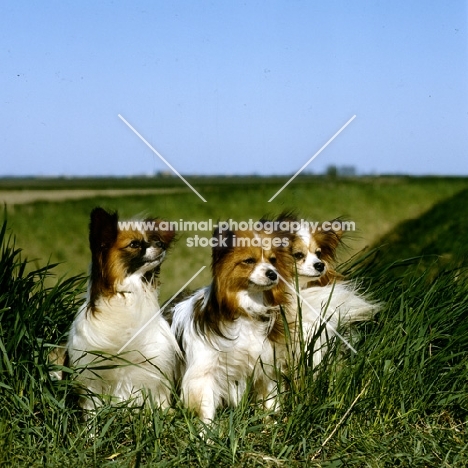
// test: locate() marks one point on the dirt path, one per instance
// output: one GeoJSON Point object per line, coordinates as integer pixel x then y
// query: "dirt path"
{"type": "Point", "coordinates": [19, 197]}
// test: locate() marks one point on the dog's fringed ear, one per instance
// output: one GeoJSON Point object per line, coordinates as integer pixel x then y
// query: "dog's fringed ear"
{"type": "Point", "coordinates": [103, 229]}
{"type": "Point", "coordinates": [338, 231]}
{"type": "Point", "coordinates": [329, 240]}
{"type": "Point", "coordinates": [222, 242]}
{"type": "Point", "coordinates": [331, 237]}
{"type": "Point", "coordinates": [287, 215]}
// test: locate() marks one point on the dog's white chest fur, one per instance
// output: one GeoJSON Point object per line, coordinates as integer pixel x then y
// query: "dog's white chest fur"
{"type": "Point", "coordinates": [129, 322]}
{"type": "Point", "coordinates": [218, 368]}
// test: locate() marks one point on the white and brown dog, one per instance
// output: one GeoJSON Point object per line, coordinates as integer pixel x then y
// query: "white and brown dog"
{"type": "Point", "coordinates": [329, 305]}
{"type": "Point", "coordinates": [231, 332]}
{"type": "Point", "coordinates": [119, 344]}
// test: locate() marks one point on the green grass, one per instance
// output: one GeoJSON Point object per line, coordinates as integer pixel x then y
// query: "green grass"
{"type": "Point", "coordinates": [436, 240]}
{"type": "Point", "coordinates": [402, 400]}
{"type": "Point", "coordinates": [58, 232]}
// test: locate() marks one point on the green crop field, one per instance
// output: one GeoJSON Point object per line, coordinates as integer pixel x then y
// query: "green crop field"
{"type": "Point", "coordinates": [402, 400]}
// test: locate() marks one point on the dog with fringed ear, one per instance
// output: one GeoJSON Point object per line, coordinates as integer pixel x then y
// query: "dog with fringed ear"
{"type": "Point", "coordinates": [119, 344]}
{"type": "Point", "coordinates": [329, 305]}
{"type": "Point", "coordinates": [231, 332]}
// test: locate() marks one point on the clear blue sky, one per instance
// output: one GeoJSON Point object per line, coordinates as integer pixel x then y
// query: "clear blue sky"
{"type": "Point", "coordinates": [233, 87]}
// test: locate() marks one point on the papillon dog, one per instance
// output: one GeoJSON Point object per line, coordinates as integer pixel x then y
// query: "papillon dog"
{"type": "Point", "coordinates": [119, 344]}
{"type": "Point", "coordinates": [231, 332]}
{"type": "Point", "coordinates": [330, 306]}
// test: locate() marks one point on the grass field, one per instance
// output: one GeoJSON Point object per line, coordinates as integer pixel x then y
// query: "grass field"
{"type": "Point", "coordinates": [57, 231]}
{"type": "Point", "coordinates": [402, 400]}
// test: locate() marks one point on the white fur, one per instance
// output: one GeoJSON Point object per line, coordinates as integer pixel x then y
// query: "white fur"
{"type": "Point", "coordinates": [145, 365]}
{"type": "Point", "coordinates": [339, 305]}
{"type": "Point", "coordinates": [304, 234]}
{"type": "Point", "coordinates": [217, 369]}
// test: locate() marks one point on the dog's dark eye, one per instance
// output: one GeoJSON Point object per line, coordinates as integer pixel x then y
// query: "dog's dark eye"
{"type": "Point", "coordinates": [298, 255]}
{"type": "Point", "coordinates": [273, 260]}
{"type": "Point", "coordinates": [135, 244]}
{"type": "Point", "coordinates": [249, 261]}
{"type": "Point", "coordinates": [160, 244]}
{"type": "Point", "coordinates": [318, 252]}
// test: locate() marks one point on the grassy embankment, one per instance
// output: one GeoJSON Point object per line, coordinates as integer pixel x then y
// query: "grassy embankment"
{"type": "Point", "coordinates": [400, 401]}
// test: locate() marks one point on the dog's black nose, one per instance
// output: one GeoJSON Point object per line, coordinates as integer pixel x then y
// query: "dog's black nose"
{"type": "Point", "coordinates": [319, 266]}
{"type": "Point", "coordinates": [270, 274]}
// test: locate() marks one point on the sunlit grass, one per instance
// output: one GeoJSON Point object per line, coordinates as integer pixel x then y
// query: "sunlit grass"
{"type": "Point", "coordinates": [59, 231]}
{"type": "Point", "coordinates": [400, 401]}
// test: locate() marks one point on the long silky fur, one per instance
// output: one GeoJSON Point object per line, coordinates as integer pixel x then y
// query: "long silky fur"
{"type": "Point", "coordinates": [122, 305]}
{"type": "Point", "coordinates": [226, 345]}
{"type": "Point", "coordinates": [330, 304]}
{"type": "Point", "coordinates": [333, 308]}
{"type": "Point", "coordinates": [221, 305]}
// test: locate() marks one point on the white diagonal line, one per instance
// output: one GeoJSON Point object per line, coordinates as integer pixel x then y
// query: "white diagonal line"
{"type": "Point", "coordinates": [312, 158]}
{"type": "Point", "coordinates": [160, 310]}
{"type": "Point", "coordinates": [330, 327]}
{"type": "Point", "coordinates": [159, 155]}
